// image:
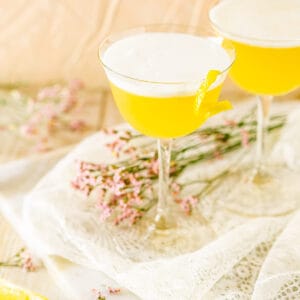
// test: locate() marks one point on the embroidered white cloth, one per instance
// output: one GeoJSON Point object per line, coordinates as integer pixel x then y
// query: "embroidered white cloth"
{"type": "Point", "coordinates": [254, 258]}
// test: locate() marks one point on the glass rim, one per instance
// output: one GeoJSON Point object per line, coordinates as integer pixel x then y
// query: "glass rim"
{"type": "Point", "coordinates": [140, 29]}
{"type": "Point", "coordinates": [239, 37]}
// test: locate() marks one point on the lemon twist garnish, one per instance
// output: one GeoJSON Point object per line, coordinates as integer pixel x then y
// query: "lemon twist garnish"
{"type": "Point", "coordinates": [205, 106]}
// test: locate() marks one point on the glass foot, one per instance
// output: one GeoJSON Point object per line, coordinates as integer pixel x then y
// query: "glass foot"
{"type": "Point", "coordinates": [272, 191]}
{"type": "Point", "coordinates": [148, 240]}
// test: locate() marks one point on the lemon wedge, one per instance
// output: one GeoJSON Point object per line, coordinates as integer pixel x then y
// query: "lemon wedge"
{"type": "Point", "coordinates": [205, 106]}
{"type": "Point", "coordinates": [9, 291]}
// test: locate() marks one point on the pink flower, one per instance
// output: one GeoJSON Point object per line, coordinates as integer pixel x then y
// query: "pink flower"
{"type": "Point", "coordinates": [135, 216]}
{"type": "Point", "coordinates": [130, 150]}
{"type": "Point", "coordinates": [76, 85]}
{"type": "Point", "coordinates": [98, 294]}
{"type": "Point", "coordinates": [68, 104]}
{"type": "Point", "coordinates": [106, 211]}
{"type": "Point", "coordinates": [135, 183]}
{"type": "Point", "coordinates": [27, 262]}
{"type": "Point", "coordinates": [48, 92]}
{"type": "Point", "coordinates": [87, 166]}
{"type": "Point", "coordinates": [153, 167]}
{"type": "Point", "coordinates": [83, 183]}
{"type": "Point", "coordinates": [106, 291]}
{"type": "Point", "coordinates": [187, 203]}
{"type": "Point", "coordinates": [134, 199]}
{"type": "Point", "coordinates": [28, 129]}
{"type": "Point", "coordinates": [48, 112]}
{"type": "Point", "coordinates": [175, 188]}
{"type": "Point", "coordinates": [42, 146]}
{"type": "Point", "coordinates": [127, 213]}
{"type": "Point", "coordinates": [116, 146]}
{"type": "Point", "coordinates": [77, 125]}
{"type": "Point", "coordinates": [114, 291]}
{"type": "Point", "coordinates": [217, 154]}
{"type": "Point", "coordinates": [245, 137]}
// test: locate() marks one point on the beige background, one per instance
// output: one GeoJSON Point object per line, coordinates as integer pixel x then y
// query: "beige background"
{"type": "Point", "coordinates": [49, 40]}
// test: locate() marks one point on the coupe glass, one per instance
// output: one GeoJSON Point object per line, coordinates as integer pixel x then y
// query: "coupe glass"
{"type": "Point", "coordinates": [166, 117]}
{"type": "Point", "coordinates": [266, 68]}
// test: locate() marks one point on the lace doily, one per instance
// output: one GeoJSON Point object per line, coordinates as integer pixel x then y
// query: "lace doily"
{"type": "Point", "coordinates": [247, 259]}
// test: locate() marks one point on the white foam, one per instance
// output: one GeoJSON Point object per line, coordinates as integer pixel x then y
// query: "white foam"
{"type": "Point", "coordinates": [163, 57]}
{"type": "Point", "coordinates": [274, 23]}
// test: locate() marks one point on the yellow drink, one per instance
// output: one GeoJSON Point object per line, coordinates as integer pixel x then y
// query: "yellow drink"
{"type": "Point", "coordinates": [266, 70]}
{"type": "Point", "coordinates": [166, 82]}
{"type": "Point", "coordinates": [266, 37]}
{"type": "Point", "coordinates": [162, 117]}
{"type": "Point", "coordinates": [154, 78]}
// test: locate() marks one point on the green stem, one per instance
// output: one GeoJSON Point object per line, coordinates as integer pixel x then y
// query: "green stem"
{"type": "Point", "coordinates": [7, 264]}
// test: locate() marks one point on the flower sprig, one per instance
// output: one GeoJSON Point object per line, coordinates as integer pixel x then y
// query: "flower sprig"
{"type": "Point", "coordinates": [38, 117]}
{"type": "Point", "coordinates": [102, 294]}
{"type": "Point", "coordinates": [124, 190]}
{"type": "Point", "coordinates": [21, 259]}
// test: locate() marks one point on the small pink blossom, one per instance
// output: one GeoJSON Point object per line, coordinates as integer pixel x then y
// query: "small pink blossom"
{"type": "Point", "coordinates": [106, 211]}
{"type": "Point", "coordinates": [117, 188]}
{"type": "Point", "coordinates": [77, 125]}
{"type": "Point", "coordinates": [154, 166]}
{"type": "Point", "coordinates": [128, 213]}
{"type": "Point", "coordinates": [175, 188]}
{"type": "Point", "coordinates": [105, 291]}
{"type": "Point", "coordinates": [48, 92]}
{"type": "Point", "coordinates": [41, 145]}
{"type": "Point", "coordinates": [76, 85]}
{"type": "Point", "coordinates": [187, 203]}
{"type": "Point", "coordinates": [114, 291]}
{"type": "Point", "coordinates": [217, 154]}
{"type": "Point", "coordinates": [130, 150]}
{"type": "Point", "coordinates": [116, 146]}
{"type": "Point", "coordinates": [67, 104]}
{"type": "Point", "coordinates": [135, 200]}
{"type": "Point", "coordinates": [28, 129]}
{"type": "Point", "coordinates": [135, 183]}
{"type": "Point", "coordinates": [245, 137]}
{"type": "Point", "coordinates": [98, 294]}
{"type": "Point", "coordinates": [28, 264]}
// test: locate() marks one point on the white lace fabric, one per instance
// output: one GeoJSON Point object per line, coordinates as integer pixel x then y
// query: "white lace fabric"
{"type": "Point", "coordinates": [250, 258]}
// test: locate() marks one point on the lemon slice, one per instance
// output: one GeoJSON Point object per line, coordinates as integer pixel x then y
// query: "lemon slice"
{"type": "Point", "coordinates": [9, 291]}
{"type": "Point", "coordinates": [205, 106]}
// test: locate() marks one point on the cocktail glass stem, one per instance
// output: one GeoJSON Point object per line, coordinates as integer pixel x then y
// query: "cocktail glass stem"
{"type": "Point", "coordinates": [164, 158]}
{"type": "Point", "coordinates": [263, 112]}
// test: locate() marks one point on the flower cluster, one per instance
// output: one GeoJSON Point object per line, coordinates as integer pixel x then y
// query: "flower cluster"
{"type": "Point", "coordinates": [49, 111]}
{"type": "Point", "coordinates": [22, 259]}
{"type": "Point", "coordinates": [118, 190]}
{"type": "Point", "coordinates": [186, 203]}
{"type": "Point", "coordinates": [103, 293]}
{"type": "Point", "coordinates": [124, 190]}
{"type": "Point", "coordinates": [120, 145]}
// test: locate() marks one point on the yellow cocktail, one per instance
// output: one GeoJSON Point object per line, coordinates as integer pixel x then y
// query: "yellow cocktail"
{"type": "Point", "coordinates": [266, 70]}
{"type": "Point", "coordinates": [156, 83]}
{"type": "Point", "coordinates": [266, 37]}
{"type": "Point", "coordinates": [163, 117]}
{"type": "Point", "coordinates": [166, 81]}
